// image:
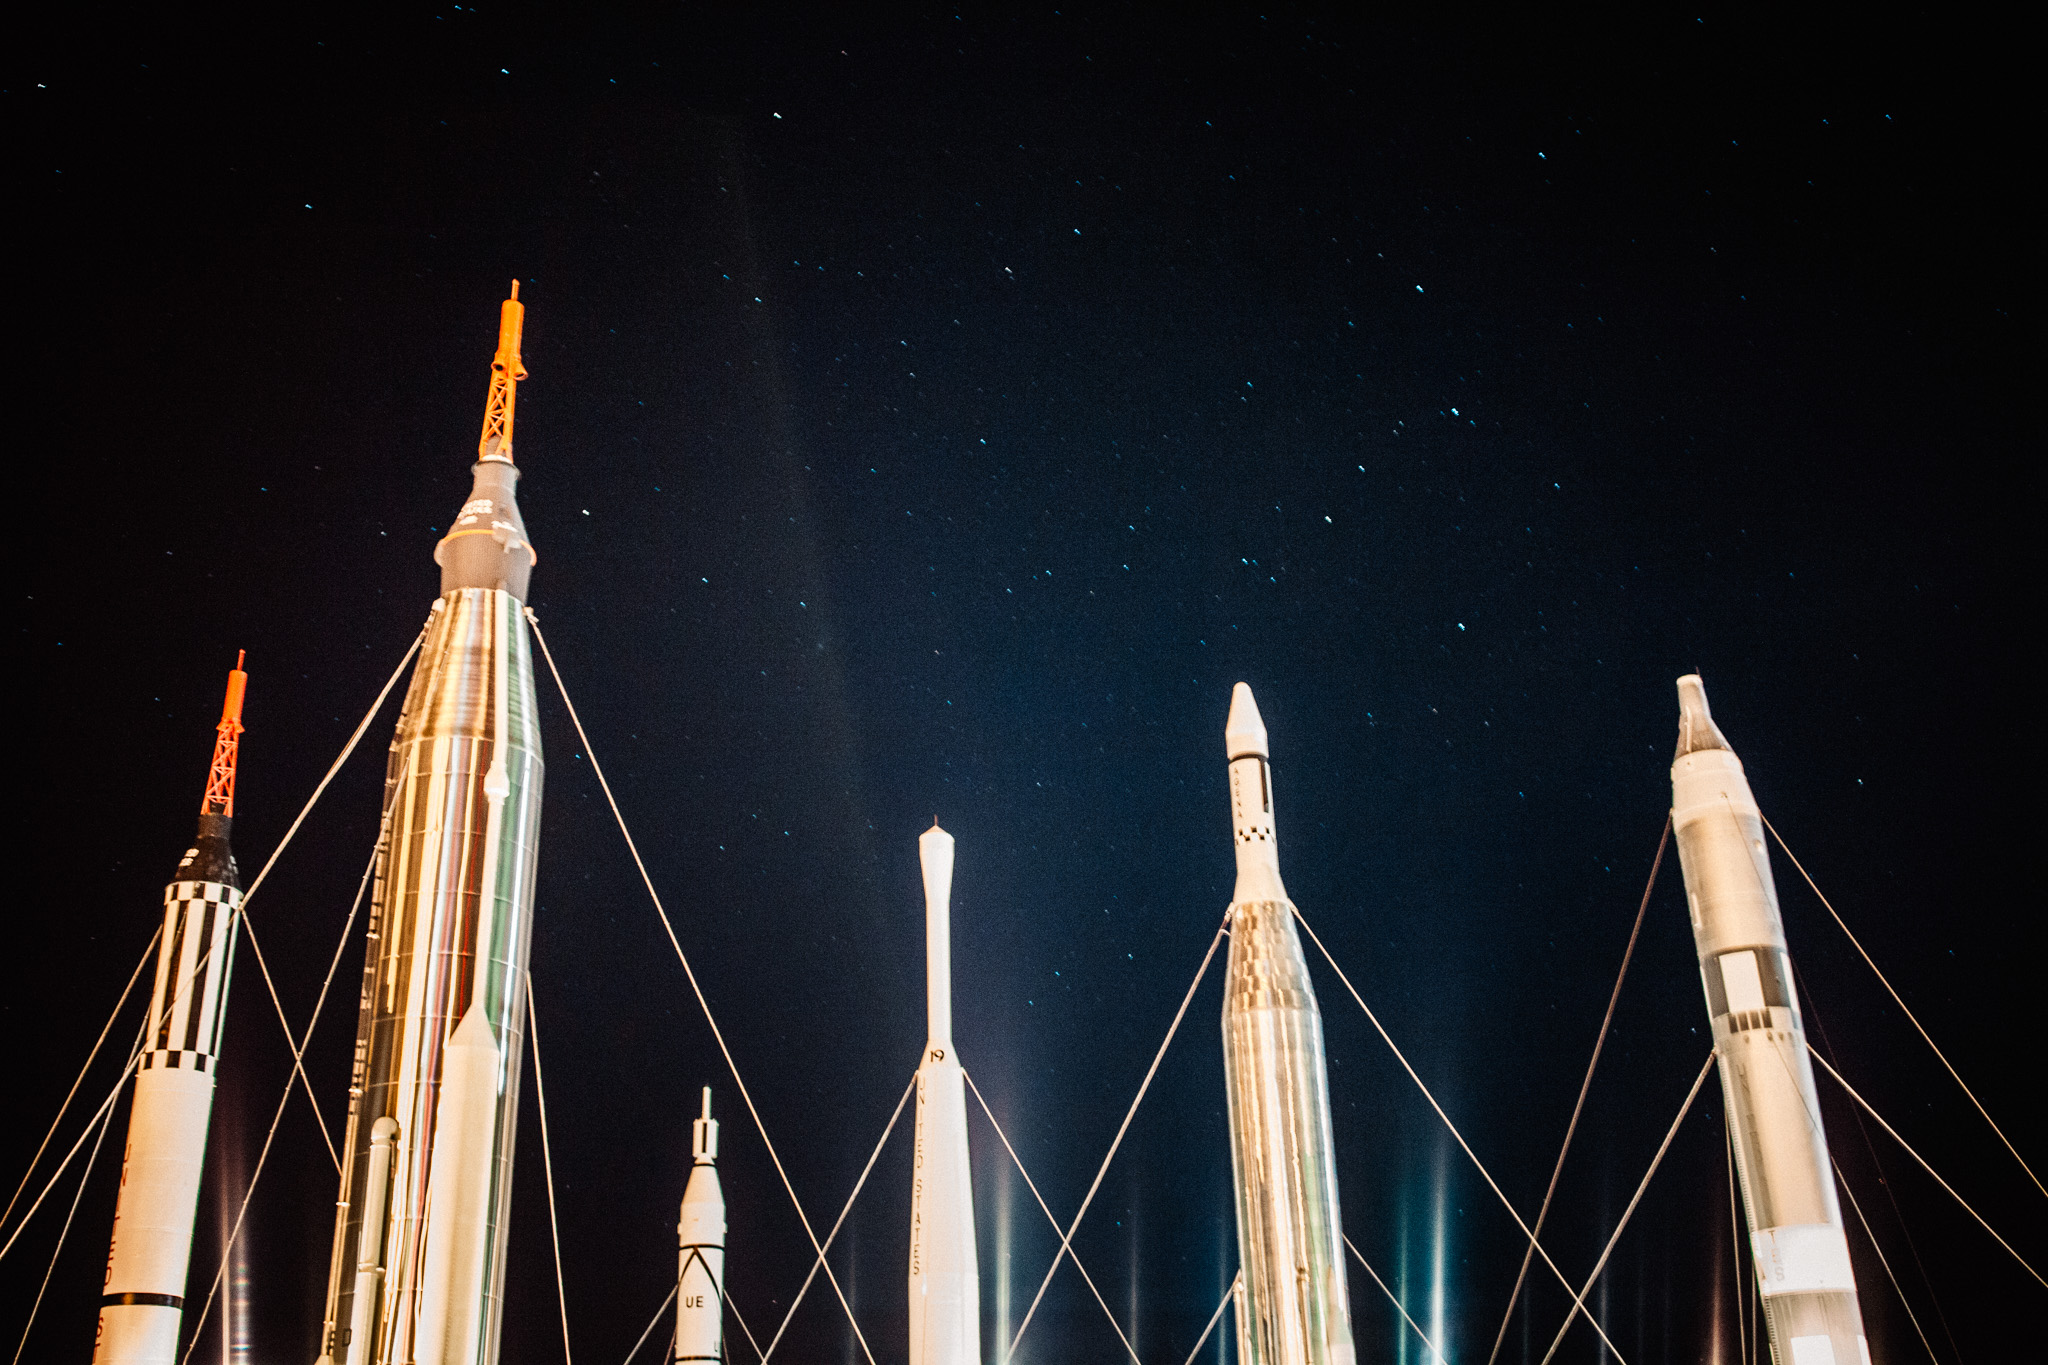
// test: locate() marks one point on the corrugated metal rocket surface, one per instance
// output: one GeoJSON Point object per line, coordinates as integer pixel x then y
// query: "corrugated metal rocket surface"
{"type": "Point", "coordinates": [422, 1218]}
{"type": "Point", "coordinates": [945, 1281]}
{"type": "Point", "coordinates": [1781, 1150]}
{"type": "Point", "coordinates": [1295, 1309]}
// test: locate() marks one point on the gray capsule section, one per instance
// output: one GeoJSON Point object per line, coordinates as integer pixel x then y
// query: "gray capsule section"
{"type": "Point", "coordinates": [1781, 1155]}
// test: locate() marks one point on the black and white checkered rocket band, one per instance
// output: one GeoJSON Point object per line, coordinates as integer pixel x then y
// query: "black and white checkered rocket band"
{"type": "Point", "coordinates": [193, 963]}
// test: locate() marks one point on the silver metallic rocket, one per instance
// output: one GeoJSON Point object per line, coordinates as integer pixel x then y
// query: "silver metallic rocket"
{"type": "Point", "coordinates": [700, 1261]}
{"type": "Point", "coordinates": [1781, 1152]}
{"type": "Point", "coordinates": [1295, 1308]}
{"type": "Point", "coordinates": [427, 1164]}
{"type": "Point", "coordinates": [143, 1300]}
{"type": "Point", "coordinates": [945, 1281]}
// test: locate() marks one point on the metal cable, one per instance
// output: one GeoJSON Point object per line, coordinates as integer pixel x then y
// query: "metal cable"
{"type": "Point", "coordinates": [72, 1093]}
{"type": "Point", "coordinates": [1843, 1181]}
{"type": "Point", "coordinates": [105, 1123]}
{"type": "Point", "coordinates": [1923, 1163]}
{"type": "Point", "coordinates": [1579, 1299]}
{"type": "Point", "coordinates": [1572, 1128]}
{"type": "Point", "coordinates": [547, 1161]}
{"type": "Point", "coordinates": [845, 1209]}
{"type": "Point", "coordinates": [1030, 1185]}
{"type": "Point", "coordinates": [651, 1322]}
{"type": "Point", "coordinates": [702, 1002]}
{"type": "Point", "coordinates": [1067, 1238]}
{"type": "Point", "coordinates": [1463, 1145]}
{"type": "Point", "coordinates": [1907, 1011]}
{"type": "Point", "coordinates": [127, 1071]}
{"type": "Point", "coordinates": [1399, 1307]}
{"type": "Point", "coordinates": [1214, 1317]}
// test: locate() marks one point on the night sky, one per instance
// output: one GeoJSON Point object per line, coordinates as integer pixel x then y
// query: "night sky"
{"type": "Point", "coordinates": [935, 415]}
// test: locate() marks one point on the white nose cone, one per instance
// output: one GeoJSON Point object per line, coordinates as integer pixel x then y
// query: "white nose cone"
{"type": "Point", "coordinates": [1251, 801]}
{"type": "Point", "coordinates": [935, 855]}
{"type": "Point", "coordinates": [1244, 734]}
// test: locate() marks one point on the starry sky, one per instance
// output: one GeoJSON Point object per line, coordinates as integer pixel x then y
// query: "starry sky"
{"type": "Point", "coordinates": [934, 412]}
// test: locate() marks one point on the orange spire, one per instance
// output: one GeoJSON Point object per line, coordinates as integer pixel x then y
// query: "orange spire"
{"type": "Point", "coordinates": [227, 745]}
{"type": "Point", "coordinates": [507, 369]}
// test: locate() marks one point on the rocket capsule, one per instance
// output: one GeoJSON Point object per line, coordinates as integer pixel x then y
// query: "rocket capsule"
{"type": "Point", "coordinates": [1294, 1308]}
{"type": "Point", "coordinates": [945, 1283]}
{"type": "Point", "coordinates": [700, 1267]}
{"type": "Point", "coordinates": [1788, 1191]}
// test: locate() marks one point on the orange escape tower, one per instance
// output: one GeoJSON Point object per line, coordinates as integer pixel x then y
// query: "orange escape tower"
{"type": "Point", "coordinates": [227, 743]}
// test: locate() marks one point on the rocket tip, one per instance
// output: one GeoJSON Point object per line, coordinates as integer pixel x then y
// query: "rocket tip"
{"type": "Point", "coordinates": [707, 1101]}
{"type": "Point", "coordinates": [1244, 733]}
{"type": "Point", "coordinates": [1696, 728]}
{"type": "Point", "coordinates": [515, 288]}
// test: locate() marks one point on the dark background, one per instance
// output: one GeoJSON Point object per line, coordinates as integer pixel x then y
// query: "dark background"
{"type": "Point", "coordinates": [937, 413]}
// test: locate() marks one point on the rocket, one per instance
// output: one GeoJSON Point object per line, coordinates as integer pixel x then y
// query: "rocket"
{"type": "Point", "coordinates": [945, 1282]}
{"type": "Point", "coordinates": [143, 1300]}
{"type": "Point", "coordinates": [1294, 1308]}
{"type": "Point", "coordinates": [418, 1261]}
{"type": "Point", "coordinates": [1781, 1150]}
{"type": "Point", "coordinates": [700, 1264]}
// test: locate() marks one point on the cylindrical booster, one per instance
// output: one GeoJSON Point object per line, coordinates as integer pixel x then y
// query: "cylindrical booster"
{"type": "Point", "coordinates": [700, 1264]}
{"type": "Point", "coordinates": [443, 1010]}
{"type": "Point", "coordinates": [143, 1300]}
{"type": "Point", "coordinates": [1294, 1309]}
{"type": "Point", "coordinates": [1781, 1153]}
{"type": "Point", "coordinates": [945, 1281]}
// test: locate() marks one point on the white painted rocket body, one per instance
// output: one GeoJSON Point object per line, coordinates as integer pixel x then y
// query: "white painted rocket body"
{"type": "Point", "coordinates": [945, 1281]}
{"type": "Point", "coordinates": [700, 1263]}
{"type": "Point", "coordinates": [1295, 1308]}
{"type": "Point", "coordinates": [1781, 1154]}
{"type": "Point", "coordinates": [142, 1302]}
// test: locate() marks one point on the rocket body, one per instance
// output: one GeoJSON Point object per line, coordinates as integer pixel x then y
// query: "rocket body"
{"type": "Point", "coordinates": [945, 1280]}
{"type": "Point", "coordinates": [443, 1009]}
{"type": "Point", "coordinates": [1294, 1308]}
{"type": "Point", "coordinates": [700, 1264]}
{"type": "Point", "coordinates": [1781, 1154]}
{"type": "Point", "coordinates": [142, 1304]}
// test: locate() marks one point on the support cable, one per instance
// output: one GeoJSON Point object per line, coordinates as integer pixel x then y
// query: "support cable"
{"type": "Point", "coordinates": [1463, 1145]}
{"type": "Point", "coordinates": [837, 1223]}
{"type": "Point", "coordinates": [1214, 1317]}
{"type": "Point", "coordinates": [1572, 1128]}
{"type": "Point", "coordinates": [734, 1309]}
{"type": "Point", "coordinates": [1579, 1299]}
{"type": "Point", "coordinates": [1399, 1307]}
{"type": "Point", "coordinates": [1907, 1011]}
{"type": "Point", "coordinates": [1029, 1184]}
{"type": "Point", "coordinates": [653, 1322]}
{"type": "Point", "coordinates": [84, 1178]}
{"type": "Point", "coordinates": [1884, 1183]}
{"type": "Point", "coordinates": [242, 914]}
{"type": "Point", "coordinates": [1067, 1238]}
{"type": "Point", "coordinates": [1843, 1181]}
{"type": "Point", "coordinates": [277, 1116]}
{"type": "Point", "coordinates": [1923, 1164]}
{"type": "Point", "coordinates": [106, 1107]}
{"type": "Point", "coordinates": [696, 989]}
{"type": "Point", "coordinates": [547, 1161]}
{"type": "Point", "coordinates": [72, 1093]}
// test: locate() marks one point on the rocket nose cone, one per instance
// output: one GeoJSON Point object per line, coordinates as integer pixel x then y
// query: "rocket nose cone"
{"type": "Point", "coordinates": [1244, 734]}
{"type": "Point", "coordinates": [935, 856]}
{"type": "Point", "coordinates": [1696, 728]}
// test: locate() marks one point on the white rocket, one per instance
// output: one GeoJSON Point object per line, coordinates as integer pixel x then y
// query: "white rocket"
{"type": "Point", "coordinates": [143, 1299]}
{"type": "Point", "coordinates": [700, 1264]}
{"type": "Point", "coordinates": [945, 1282]}
{"type": "Point", "coordinates": [1294, 1308]}
{"type": "Point", "coordinates": [1781, 1152]}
